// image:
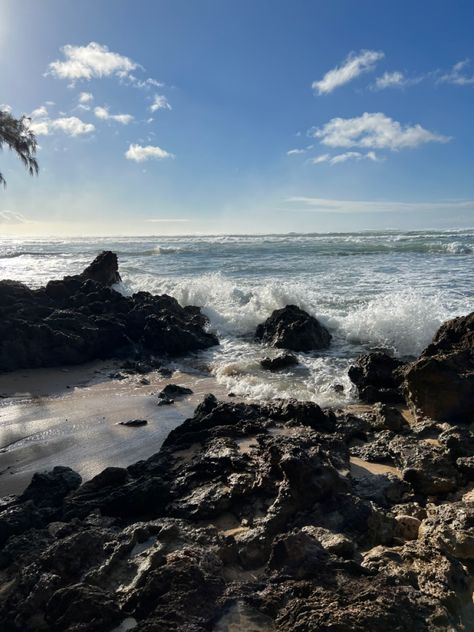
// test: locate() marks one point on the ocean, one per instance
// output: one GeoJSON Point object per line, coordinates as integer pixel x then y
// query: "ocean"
{"type": "Point", "coordinates": [373, 290]}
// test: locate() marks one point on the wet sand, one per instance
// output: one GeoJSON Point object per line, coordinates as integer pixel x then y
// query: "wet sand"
{"type": "Point", "coordinates": [71, 416]}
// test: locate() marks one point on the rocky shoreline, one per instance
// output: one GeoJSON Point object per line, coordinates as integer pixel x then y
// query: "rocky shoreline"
{"type": "Point", "coordinates": [278, 516]}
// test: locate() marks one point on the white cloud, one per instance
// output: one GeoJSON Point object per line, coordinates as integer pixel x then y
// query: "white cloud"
{"type": "Point", "coordinates": [89, 62]}
{"type": "Point", "coordinates": [457, 76]}
{"type": "Point", "coordinates": [320, 159]}
{"type": "Point", "coordinates": [353, 66]}
{"type": "Point", "coordinates": [160, 102]}
{"type": "Point", "coordinates": [40, 128]}
{"type": "Point", "coordinates": [12, 217]}
{"type": "Point", "coordinates": [72, 126]}
{"type": "Point", "coordinates": [295, 152]}
{"type": "Point", "coordinates": [6, 108]}
{"type": "Point", "coordinates": [152, 82]}
{"type": "Point", "coordinates": [86, 97]}
{"type": "Point", "coordinates": [308, 204]}
{"type": "Point", "coordinates": [144, 83]}
{"type": "Point", "coordinates": [104, 114]}
{"type": "Point", "coordinates": [395, 79]}
{"type": "Point", "coordinates": [140, 153]}
{"type": "Point", "coordinates": [39, 113]}
{"type": "Point", "coordinates": [390, 80]}
{"type": "Point", "coordinates": [374, 131]}
{"type": "Point", "coordinates": [348, 155]}
{"type": "Point", "coordinates": [41, 125]}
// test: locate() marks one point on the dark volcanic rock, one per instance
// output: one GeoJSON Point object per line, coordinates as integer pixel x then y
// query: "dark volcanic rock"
{"type": "Point", "coordinates": [48, 489]}
{"type": "Point", "coordinates": [387, 418]}
{"type": "Point", "coordinates": [282, 361]}
{"type": "Point", "coordinates": [174, 390]}
{"type": "Point", "coordinates": [81, 318]}
{"type": "Point", "coordinates": [104, 269]}
{"type": "Point", "coordinates": [294, 329]}
{"type": "Point", "coordinates": [134, 423]}
{"type": "Point", "coordinates": [82, 607]}
{"type": "Point", "coordinates": [440, 384]}
{"type": "Point", "coordinates": [377, 377]}
{"type": "Point", "coordinates": [248, 513]}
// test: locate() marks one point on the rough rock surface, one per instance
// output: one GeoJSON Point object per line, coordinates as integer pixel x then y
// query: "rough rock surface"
{"type": "Point", "coordinates": [294, 329]}
{"type": "Point", "coordinates": [81, 318]}
{"type": "Point", "coordinates": [377, 377]}
{"type": "Point", "coordinates": [279, 362]}
{"type": "Point", "coordinates": [440, 384]}
{"type": "Point", "coordinates": [249, 514]}
{"type": "Point", "coordinates": [174, 390]}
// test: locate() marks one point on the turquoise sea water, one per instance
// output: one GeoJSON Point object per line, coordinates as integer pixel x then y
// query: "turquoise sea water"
{"type": "Point", "coordinates": [371, 289]}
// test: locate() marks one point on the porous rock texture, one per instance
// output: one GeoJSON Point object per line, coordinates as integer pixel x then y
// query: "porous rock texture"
{"type": "Point", "coordinates": [250, 513]}
{"type": "Point", "coordinates": [440, 384]}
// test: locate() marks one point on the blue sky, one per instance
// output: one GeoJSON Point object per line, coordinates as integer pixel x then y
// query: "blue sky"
{"type": "Point", "coordinates": [239, 116]}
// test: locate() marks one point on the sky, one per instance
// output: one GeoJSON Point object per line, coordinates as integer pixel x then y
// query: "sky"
{"type": "Point", "coordinates": [239, 116]}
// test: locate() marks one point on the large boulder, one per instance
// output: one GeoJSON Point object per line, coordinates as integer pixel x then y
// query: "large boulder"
{"type": "Point", "coordinates": [377, 377]}
{"type": "Point", "coordinates": [294, 329]}
{"type": "Point", "coordinates": [48, 489]}
{"type": "Point", "coordinates": [104, 269]}
{"type": "Point", "coordinates": [81, 318]}
{"type": "Point", "coordinates": [440, 384]}
{"type": "Point", "coordinates": [279, 362]}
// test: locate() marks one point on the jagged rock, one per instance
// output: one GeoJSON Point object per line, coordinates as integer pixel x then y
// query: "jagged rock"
{"type": "Point", "coordinates": [458, 441]}
{"type": "Point", "coordinates": [440, 384]}
{"type": "Point", "coordinates": [347, 600]}
{"type": "Point", "coordinates": [465, 465]}
{"type": "Point", "coordinates": [335, 543]}
{"type": "Point", "coordinates": [81, 318]}
{"type": "Point", "coordinates": [294, 329]}
{"type": "Point", "coordinates": [361, 521]}
{"type": "Point", "coordinates": [407, 527]}
{"type": "Point", "coordinates": [247, 508]}
{"type": "Point", "coordinates": [48, 489]}
{"type": "Point", "coordinates": [294, 412]}
{"type": "Point", "coordinates": [426, 467]}
{"type": "Point", "coordinates": [386, 417]}
{"type": "Point", "coordinates": [377, 377]}
{"type": "Point", "coordinates": [282, 361]}
{"type": "Point", "coordinates": [174, 390]}
{"type": "Point", "coordinates": [104, 269]}
{"type": "Point", "coordinates": [116, 493]}
{"type": "Point", "coordinates": [297, 554]}
{"type": "Point", "coordinates": [384, 490]}
{"type": "Point", "coordinates": [18, 518]}
{"type": "Point", "coordinates": [82, 608]}
{"type": "Point", "coordinates": [450, 527]}
{"type": "Point", "coordinates": [436, 575]}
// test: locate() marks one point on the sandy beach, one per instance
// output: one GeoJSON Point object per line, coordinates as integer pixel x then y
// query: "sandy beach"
{"type": "Point", "coordinates": [71, 416]}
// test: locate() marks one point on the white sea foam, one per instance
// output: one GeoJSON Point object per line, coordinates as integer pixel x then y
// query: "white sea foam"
{"type": "Point", "coordinates": [458, 248]}
{"type": "Point", "coordinates": [232, 308]}
{"type": "Point", "coordinates": [403, 321]}
{"type": "Point", "coordinates": [374, 289]}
